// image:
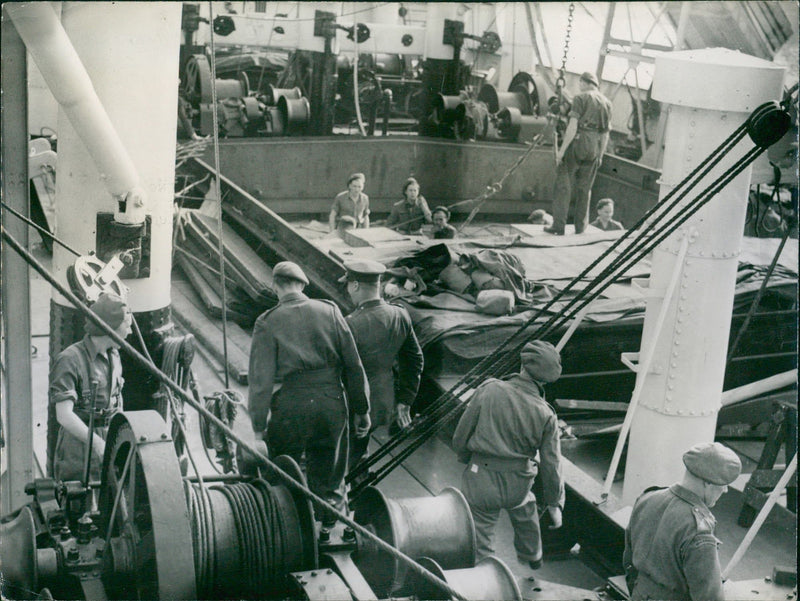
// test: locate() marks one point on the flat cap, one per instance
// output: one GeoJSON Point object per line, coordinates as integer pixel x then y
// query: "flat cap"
{"type": "Point", "coordinates": [590, 77]}
{"type": "Point", "coordinates": [287, 269]}
{"type": "Point", "coordinates": [111, 309]}
{"type": "Point", "coordinates": [362, 270]}
{"type": "Point", "coordinates": [713, 462]}
{"type": "Point", "coordinates": [541, 360]}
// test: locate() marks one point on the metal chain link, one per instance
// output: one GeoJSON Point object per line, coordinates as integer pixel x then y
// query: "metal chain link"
{"type": "Point", "coordinates": [561, 81]}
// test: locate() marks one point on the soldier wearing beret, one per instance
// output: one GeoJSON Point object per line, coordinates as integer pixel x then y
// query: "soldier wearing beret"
{"type": "Point", "coordinates": [670, 547]}
{"type": "Point", "coordinates": [305, 378]}
{"type": "Point", "coordinates": [85, 377]}
{"type": "Point", "coordinates": [505, 425]}
{"type": "Point", "coordinates": [351, 203]}
{"type": "Point", "coordinates": [388, 348]}
{"type": "Point", "coordinates": [442, 230]}
{"type": "Point", "coordinates": [580, 155]}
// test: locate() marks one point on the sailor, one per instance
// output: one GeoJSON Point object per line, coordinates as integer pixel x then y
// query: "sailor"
{"type": "Point", "coordinates": [442, 230]}
{"type": "Point", "coordinates": [670, 547]}
{"type": "Point", "coordinates": [301, 357]}
{"type": "Point", "coordinates": [504, 426]}
{"type": "Point", "coordinates": [388, 348]}
{"type": "Point", "coordinates": [352, 203]}
{"type": "Point", "coordinates": [86, 375]}
{"type": "Point", "coordinates": [408, 215]}
{"type": "Point", "coordinates": [580, 155]}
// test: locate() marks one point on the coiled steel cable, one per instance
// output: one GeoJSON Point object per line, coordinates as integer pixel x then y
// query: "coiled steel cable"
{"type": "Point", "coordinates": [245, 445]}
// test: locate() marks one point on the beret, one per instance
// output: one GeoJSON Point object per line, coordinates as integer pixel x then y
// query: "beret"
{"type": "Point", "coordinates": [362, 270]}
{"type": "Point", "coordinates": [444, 210]}
{"type": "Point", "coordinates": [713, 462]}
{"type": "Point", "coordinates": [589, 77]}
{"type": "Point", "coordinates": [111, 309]}
{"type": "Point", "coordinates": [287, 269]}
{"type": "Point", "coordinates": [355, 176]}
{"type": "Point", "coordinates": [541, 360]}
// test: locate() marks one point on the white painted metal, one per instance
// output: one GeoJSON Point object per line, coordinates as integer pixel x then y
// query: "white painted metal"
{"type": "Point", "coordinates": [61, 67]}
{"type": "Point", "coordinates": [754, 389]}
{"type": "Point", "coordinates": [130, 52]}
{"type": "Point", "coordinates": [710, 93]}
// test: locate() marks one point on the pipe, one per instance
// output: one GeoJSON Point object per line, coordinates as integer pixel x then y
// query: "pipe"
{"type": "Point", "coordinates": [754, 389]}
{"type": "Point", "coordinates": [761, 517]}
{"type": "Point", "coordinates": [62, 69]}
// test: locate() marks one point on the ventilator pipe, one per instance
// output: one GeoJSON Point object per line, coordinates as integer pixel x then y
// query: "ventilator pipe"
{"type": "Point", "coordinates": [754, 389]}
{"type": "Point", "coordinates": [62, 69]}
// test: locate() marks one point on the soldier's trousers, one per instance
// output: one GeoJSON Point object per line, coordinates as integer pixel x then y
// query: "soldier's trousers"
{"type": "Point", "coordinates": [311, 419]}
{"type": "Point", "coordinates": [574, 180]}
{"type": "Point", "coordinates": [488, 491]}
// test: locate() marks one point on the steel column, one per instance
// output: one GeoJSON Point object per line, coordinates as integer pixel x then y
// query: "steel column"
{"type": "Point", "coordinates": [709, 93]}
{"type": "Point", "coordinates": [17, 412]}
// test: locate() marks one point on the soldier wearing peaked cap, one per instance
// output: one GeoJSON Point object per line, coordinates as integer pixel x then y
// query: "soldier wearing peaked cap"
{"type": "Point", "coordinates": [388, 348]}
{"type": "Point", "coordinates": [305, 379]}
{"type": "Point", "coordinates": [505, 425]}
{"type": "Point", "coordinates": [670, 547]}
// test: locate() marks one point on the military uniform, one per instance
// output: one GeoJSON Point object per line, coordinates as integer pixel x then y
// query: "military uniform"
{"type": "Point", "coordinates": [344, 206]}
{"type": "Point", "coordinates": [501, 430]}
{"type": "Point", "coordinates": [304, 348]}
{"type": "Point", "coordinates": [409, 216]}
{"type": "Point", "coordinates": [577, 170]}
{"type": "Point", "coordinates": [384, 335]}
{"type": "Point", "coordinates": [71, 380]}
{"type": "Point", "coordinates": [671, 546]}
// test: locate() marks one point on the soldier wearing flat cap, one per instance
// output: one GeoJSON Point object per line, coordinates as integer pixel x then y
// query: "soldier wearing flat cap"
{"type": "Point", "coordinates": [506, 423]}
{"type": "Point", "coordinates": [580, 155]}
{"type": "Point", "coordinates": [388, 348]}
{"type": "Point", "coordinates": [670, 547]}
{"type": "Point", "coordinates": [86, 377]}
{"type": "Point", "coordinates": [305, 379]}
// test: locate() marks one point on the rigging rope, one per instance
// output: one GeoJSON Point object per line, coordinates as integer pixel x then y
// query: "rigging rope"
{"type": "Point", "coordinates": [501, 360]}
{"type": "Point", "coordinates": [280, 473]}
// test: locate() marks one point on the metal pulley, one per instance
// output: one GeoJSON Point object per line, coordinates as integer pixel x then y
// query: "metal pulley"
{"type": "Point", "coordinates": [534, 88]}
{"type": "Point", "coordinates": [497, 100]}
{"type": "Point", "coordinates": [439, 527]}
{"type": "Point", "coordinates": [274, 94]}
{"type": "Point", "coordinates": [295, 112]}
{"type": "Point", "coordinates": [88, 277]}
{"type": "Point", "coordinates": [513, 125]}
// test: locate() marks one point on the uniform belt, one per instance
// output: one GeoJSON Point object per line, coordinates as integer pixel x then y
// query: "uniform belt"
{"type": "Point", "coordinates": [312, 377]}
{"type": "Point", "coordinates": [594, 130]}
{"type": "Point", "coordinates": [102, 417]}
{"type": "Point", "coordinates": [501, 464]}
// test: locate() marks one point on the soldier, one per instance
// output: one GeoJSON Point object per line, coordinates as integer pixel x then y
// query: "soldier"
{"type": "Point", "coordinates": [301, 356]}
{"type": "Point", "coordinates": [670, 548]}
{"type": "Point", "coordinates": [505, 424]}
{"type": "Point", "coordinates": [580, 154]}
{"type": "Point", "coordinates": [384, 337]}
{"type": "Point", "coordinates": [89, 368]}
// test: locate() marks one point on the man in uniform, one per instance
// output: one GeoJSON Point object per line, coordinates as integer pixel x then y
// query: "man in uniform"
{"type": "Point", "coordinates": [581, 152]}
{"type": "Point", "coordinates": [302, 355]}
{"type": "Point", "coordinates": [505, 424]}
{"type": "Point", "coordinates": [384, 337]}
{"type": "Point", "coordinates": [670, 548]}
{"type": "Point", "coordinates": [87, 375]}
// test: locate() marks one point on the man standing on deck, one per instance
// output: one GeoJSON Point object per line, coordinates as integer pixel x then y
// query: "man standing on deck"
{"type": "Point", "coordinates": [384, 337]}
{"type": "Point", "coordinates": [670, 547]}
{"type": "Point", "coordinates": [580, 155]}
{"type": "Point", "coordinates": [87, 377]}
{"type": "Point", "coordinates": [505, 424]}
{"type": "Point", "coordinates": [302, 355]}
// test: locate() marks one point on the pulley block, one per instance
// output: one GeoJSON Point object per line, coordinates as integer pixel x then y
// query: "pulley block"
{"type": "Point", "coordinates": [89, 277]}
{"type": "Point", "coordinates": [490, 579]}
{"type": "Point", "coordinates": [768, 124]}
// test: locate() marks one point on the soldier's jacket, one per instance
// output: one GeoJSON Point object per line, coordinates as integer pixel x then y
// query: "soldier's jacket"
{"type": "Point", "coordinates": [303, 335]}
{"type": "Point", "coordinates": [671, 547]}
{"type": "Point", "coordinates": [384, 334]}
{"type": "Point", "coordinates": [509, 419]}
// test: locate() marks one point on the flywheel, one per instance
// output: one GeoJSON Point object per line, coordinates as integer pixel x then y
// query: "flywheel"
{"type": "Point", "coordinates": [143, 512]}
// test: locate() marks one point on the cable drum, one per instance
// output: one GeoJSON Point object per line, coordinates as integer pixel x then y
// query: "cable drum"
{"type": "Point", "coordinates": [247, 536]}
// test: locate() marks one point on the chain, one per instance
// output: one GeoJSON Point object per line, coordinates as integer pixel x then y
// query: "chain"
{"type": "Point", "coordinates": [561, 81]}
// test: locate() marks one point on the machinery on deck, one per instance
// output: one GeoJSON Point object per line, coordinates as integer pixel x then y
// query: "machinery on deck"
{"type": "Point", "coordinates": [158, 535]}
